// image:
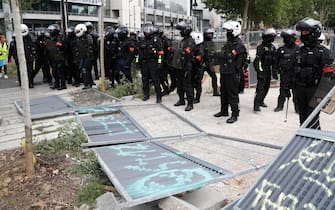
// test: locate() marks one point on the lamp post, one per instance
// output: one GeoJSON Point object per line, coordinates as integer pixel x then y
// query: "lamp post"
{"type": "Point", "coordinates": [193, 3]}
{"type": "Point", "coordinates": [129, 10]}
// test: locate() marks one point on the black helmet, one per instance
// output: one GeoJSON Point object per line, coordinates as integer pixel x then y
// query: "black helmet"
{"type": "Point", "coordinates": [313, 28]}
{"type": "Point", "coordinates": [89, 26]}
{"type": "Point", "coordinates": [109, 32]}
{"type": "Point", "coordinates": [70, 32]}
{"type": "Point", "coordinates": [148, 29]}
{"type": "Point", "coordinates": [185, 28]}
{"type": "Point", "coordinates": [269, 34]}
{"type": "Point", "coordinates": [53, 29]}
{"type": "Point", "coordinates": [209, 34]}
{"type": "Point", "coordinates": [289, 36]}
{"type": "Point", "coordinates": [122, 32]}
{"type": "Point", "coordinates": [160, 31]}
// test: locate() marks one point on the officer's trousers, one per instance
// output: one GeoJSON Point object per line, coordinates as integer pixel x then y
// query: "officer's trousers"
{"type": "Point", "coordinates": [229, 93]}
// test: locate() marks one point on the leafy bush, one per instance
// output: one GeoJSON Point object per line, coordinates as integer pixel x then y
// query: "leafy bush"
{"type": "Point", "coordinates": [70, 138]}
{"type": "Point", "coordinates": [90, 192]}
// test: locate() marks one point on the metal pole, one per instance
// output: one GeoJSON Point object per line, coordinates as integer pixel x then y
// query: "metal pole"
{"type": "Point", "coordinates": [25, 89]}
{"type": "Point", "coordinates": [102, 58]}
{"type": "Point", "coordinates": [288, 99]}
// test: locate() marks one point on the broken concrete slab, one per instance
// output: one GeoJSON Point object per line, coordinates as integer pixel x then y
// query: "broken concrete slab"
{"type": "Point", "coordinates": [172, 203]}
{"type": "Point", "coordinates": [206, 198]}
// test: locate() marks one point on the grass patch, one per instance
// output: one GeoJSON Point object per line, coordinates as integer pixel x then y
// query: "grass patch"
{"type": "Point", "coordinates": [69, 140]}
{"type": "Point", "coordinates": [90, 167]}
{"type": "Point", "coordinates": [90, 192]}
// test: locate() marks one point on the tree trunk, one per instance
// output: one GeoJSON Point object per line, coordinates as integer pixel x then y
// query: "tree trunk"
{"type": "Point", "coordinates": [245, 16]}
{"type": "Point", "coordinates": [25, 89]}
{"type": "Point", "coordinates": [102, 57]}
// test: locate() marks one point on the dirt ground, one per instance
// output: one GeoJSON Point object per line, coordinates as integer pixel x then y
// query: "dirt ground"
{"type": "Point", "coordinates": [52, 188]}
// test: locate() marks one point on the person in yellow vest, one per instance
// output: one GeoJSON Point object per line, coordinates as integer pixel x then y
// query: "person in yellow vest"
{"type": "Point", "coordinates": [3, 55]}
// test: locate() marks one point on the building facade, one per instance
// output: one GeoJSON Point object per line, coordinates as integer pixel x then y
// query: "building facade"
{"type": "Point", "coordinates": [131, 13]}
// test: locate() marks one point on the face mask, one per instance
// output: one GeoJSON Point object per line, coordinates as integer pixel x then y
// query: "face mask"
{"type": "Point", "coordinates": [288, 41]}
{"type": "Point", "coordinates": [268, 39]}
{"type": "Point", "coordinates": [230, 35]}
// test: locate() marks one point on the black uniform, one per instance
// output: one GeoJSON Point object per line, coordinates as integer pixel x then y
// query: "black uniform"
{"type": "Point", "coordinates": [263, 63]}
{"type": "Point", "coordinates": [311, 60]}
{"type": "Point", "coordinates": [231, 65]}
{"type": "Point", "coordinates": [150, 52]}
{"type": "Point", "coordinates": [167, 46]}
{"type": "Point", "coordinates": [285, 65]}
{"type": "Point", "coordinates": [73, 71]}
{"type": "Point", "coordinates": [85, 55]}
{"type": "Point", "coordinates": [184, 75]}
{"type": "Point", "coordinates": [110, 49]}
{"type": "Point", "coordinates": [124, 58]}
{"type": "Point", "coordinates": [56, 49]}
{"type": "Point", "coordinates": [41, 61]}
{"type": "Point", "coordinates": [30, 53]}
{"type": "Point", "coordinates": [206, 50]}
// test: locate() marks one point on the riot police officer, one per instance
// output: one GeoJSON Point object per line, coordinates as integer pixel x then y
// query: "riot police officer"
{"type": "Point", "coordinates": [285, 66]}
{"type": "Point", "coordinates": [150, 57]}
{"type": "Point", "coordinates": [209, 53]}
{"type": "Point", "coordinates": [233, 54]}
{"type": "Point", "coordinates": [184, 75]}
{"type": "Point", "coordinates": [125, 52]}
{"type": "Point", "coordinates": [110, 49]}
{"type": "Point", "coordinates": [90, 30]}
{"type": "Point", "coordinates": [41, 54]}
{"type": "Point", "coordinates": [167, 47]}
{"type": "Point", "coordinates": [56, 49]}
{"type": "Point", "coordinates": [312, 62]}
{"type": "Point", "coordinates": [85, 54]}
{"type": "Point", "coordinates": [30, 53]}
{"type": "Point", "coordinates": [73, 71]}
{"type": "Point", "coordinates": [263, 63]}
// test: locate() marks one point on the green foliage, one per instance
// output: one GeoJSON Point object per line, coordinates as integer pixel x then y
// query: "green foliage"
{"type": "Point", "coordinates": [276, 13]}
{"type": "Point", "coordinates": [90, 192]}
{"type": "Point", "coordinates": [27, 4]}
{"type": "Point", "coordinates": [90, 167]}
{"type": "Point", "coordinates": [69, 139]}
{"type": "Point", "coordinates": [126, 88]}
{"type": "Point", "coordinates": [11, 69]}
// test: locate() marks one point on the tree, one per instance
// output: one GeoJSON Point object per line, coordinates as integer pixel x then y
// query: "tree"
{"type": "Point", "coordinates": [274, 13]}
{"type": "Point", "coordinates": [25, 90]}
{"type": "Point", "coordinates": [27, 4]}
{"type": "Point", "coordinates": [323, 8]}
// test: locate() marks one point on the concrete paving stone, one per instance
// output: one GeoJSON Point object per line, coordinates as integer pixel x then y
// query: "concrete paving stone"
{"type": "Point", "coordinates": [174, 203]}
{"type": "Point", "coordinates": [13, 126]}
{"type": "Point", "coordinates": [12, 137]}
{"type": "Point", "coordinates": [206, 198]}
{"type": "Point", "coordinates": [9, 145]}
{"type": "Point", "coordinates": [12, 131]}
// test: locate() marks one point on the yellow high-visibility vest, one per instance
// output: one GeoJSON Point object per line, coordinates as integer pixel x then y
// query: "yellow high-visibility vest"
{"type": "Point", "coordinates": [3, 51]}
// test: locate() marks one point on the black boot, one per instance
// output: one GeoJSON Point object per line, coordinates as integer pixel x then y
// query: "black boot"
{"type": "Point", "coordinates": [180, 103]}
{"type": "Point", "coordinates": [257, 109]}
{"type": "Point", "coordinates": [159, 100]}
{"type": "Point", "coordinates": [189, 107]}
{"type": "Point", "coordinates": [197, 99]}
{"type": "Point", "coordinates": [278, 108]}
{"type": "Point", "coordinates": [221, 114]}
{"type": "Point", "coordinates": [263, 105]}
{"type": "Point", "coordinates": [145, 98]}
{"type": "Point", "coordinates": [232, 119]}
